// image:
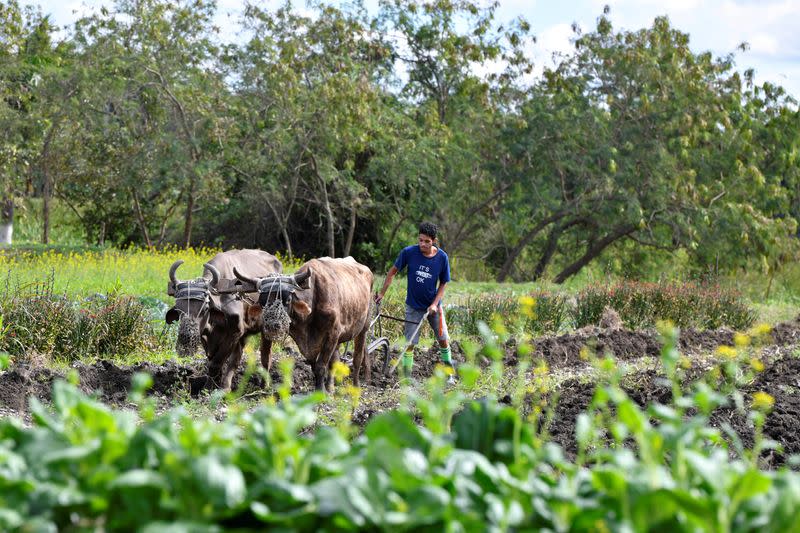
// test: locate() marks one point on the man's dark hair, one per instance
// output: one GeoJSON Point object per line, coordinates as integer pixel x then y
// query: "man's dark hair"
{"type": "Point", "coordinates": [429, 229]}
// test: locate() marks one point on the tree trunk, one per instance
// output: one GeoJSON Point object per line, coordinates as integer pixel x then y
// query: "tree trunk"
{"type": "Point", "coordinates": [526, 239]}
{"type": "Point", "coordinates": [326, 205]}
{"type": "Point", "coordinates": [189, 216]}
{"type": "Point", "coordinates": [351, 230]}
{"type": "Point", "coordinates": [163, 233]}
{"type": "Point", "coordinates": [594, 249]}
{"type": "Point", "coordinates": [7, 221]}
{"type": "Point", "coordinates": [549, 251]}
{"type": "Point", "coordinates": [457, 236]}
{"type": "Point", "coordinates": [395, 229]}
{"type": "Point", "coordinates": [288, 241]}
{"type": "Point", "coordinates": [551, 247]}
{"type": "Point", "coordinates": [195, 152]}
{"type": "Point", "coordinates": [140, 218]}
{"type": "Point", "coordinates": [46, 192]}
{"type": "Point", "coordinates": [329, 224]}
{"type": "Point", "coordinates": [47, 185]}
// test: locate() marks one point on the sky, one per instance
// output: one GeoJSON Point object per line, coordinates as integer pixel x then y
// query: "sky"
{"type": "Point", "coordinates": [719, 26]}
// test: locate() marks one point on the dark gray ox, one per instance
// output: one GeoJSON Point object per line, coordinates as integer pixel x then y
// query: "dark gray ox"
{"type": "Point", "coordinates": [325, 303]}
{"type": "Point", "coordinates": [220, 322]}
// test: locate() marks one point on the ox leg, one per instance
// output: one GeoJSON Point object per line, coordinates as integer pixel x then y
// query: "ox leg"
{"type": "Point", "coordinates": [233, 364]}
{"type": "Point", "coordinates": [329, 382]}
{"type": "Point", "coordinates": [216, 361]}
{"type": "Point", "coordinates": [323, 362]}
{"type": "Point", "coordinates": [266, 353]}
{"type": "Point", "coordinates": [359, 357]}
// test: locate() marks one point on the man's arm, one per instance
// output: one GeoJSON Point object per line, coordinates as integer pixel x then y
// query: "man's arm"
{"type": "Point", "coordinates": [388, 281]}
{"type": "Point", "coordinates": [439, 295]}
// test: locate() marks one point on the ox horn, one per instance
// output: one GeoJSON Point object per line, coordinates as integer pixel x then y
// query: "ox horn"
{"type": "Point", "coordinates": [300, 278]}
{"type": "Point", "coordinates": [214, 273]}
{"type": "Point", "coordinates": [172, 270]}
{"type": "Point", "coordinates": [244, 278]}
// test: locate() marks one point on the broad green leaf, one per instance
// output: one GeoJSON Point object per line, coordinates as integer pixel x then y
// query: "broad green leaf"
{"type": "Point", "coordinates": [223, 484]}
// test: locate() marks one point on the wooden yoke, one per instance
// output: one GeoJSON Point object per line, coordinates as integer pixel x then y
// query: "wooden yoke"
{"type": "Point", "coordinates": [229, 286]}
{"type": "Point", "coordinates": [225, 286]}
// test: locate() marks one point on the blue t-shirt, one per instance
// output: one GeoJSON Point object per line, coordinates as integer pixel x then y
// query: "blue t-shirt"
{"type": "Point", "coordinates": [424, 273]}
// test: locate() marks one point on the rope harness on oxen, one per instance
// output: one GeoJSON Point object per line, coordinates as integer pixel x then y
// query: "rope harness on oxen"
{"type": "Point", "coordinates": [188, 340]}
{"type": "Point", "coordinates": [193, 289]}
{"type": "Point", "coordinates": [275, 294]}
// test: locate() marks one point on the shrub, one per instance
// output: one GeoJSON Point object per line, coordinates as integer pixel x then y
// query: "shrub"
{"type": "Point", "coordinates": [548, 312]}
{"type": "Point", "coordinates": [642, 305]}
{"type": "Point", "coordinates": [61, 329]}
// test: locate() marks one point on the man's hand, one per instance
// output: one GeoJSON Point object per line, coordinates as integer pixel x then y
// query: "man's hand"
{"type": "Point", "coordinates": [378, 297]}
{"type": "Point", "coordinates": [433, 309]}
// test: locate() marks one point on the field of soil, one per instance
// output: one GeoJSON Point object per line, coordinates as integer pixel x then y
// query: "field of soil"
{"type": "Point", "coordinates": [780, 378]}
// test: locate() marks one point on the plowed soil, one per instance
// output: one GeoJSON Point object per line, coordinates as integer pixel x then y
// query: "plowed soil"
{"type": "Point", "coordinates": [781, 379]}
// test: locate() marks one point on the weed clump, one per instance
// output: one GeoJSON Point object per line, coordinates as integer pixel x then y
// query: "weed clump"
{"type": "Point", "coordinates": [642, 305]}
{"type": "Point", "coordinates": [40, 323]}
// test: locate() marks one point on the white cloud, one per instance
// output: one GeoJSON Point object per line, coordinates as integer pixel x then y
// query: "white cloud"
{"type": "Point", "coordinates": [762, 43]}
{"type": "Point", "coordinates": [768, 26]}
{"type": "Point", "coordinates": [551, 43]}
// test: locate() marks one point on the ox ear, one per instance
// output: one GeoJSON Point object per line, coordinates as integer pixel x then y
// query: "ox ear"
{"type": "Point", "coordinates": [253, 313]}
{"type": "Point", "coordinates": [301, 309]}
{"type": "Point", "coordinates": [172, 315]}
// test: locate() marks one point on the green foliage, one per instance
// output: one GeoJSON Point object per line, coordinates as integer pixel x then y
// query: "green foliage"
{"type": "Point", "coordinates": [546, 316]}
{"type": "Point", "coordinates": [152, 129]}
{"type": "Point", "coordinates": [469, 465]}
{"type": "Point", "coordinates": [52, 326]}
{"type": "Point", "coordinates": [66, 229]}
{"type": "Point", "coordinates": [642, 305]}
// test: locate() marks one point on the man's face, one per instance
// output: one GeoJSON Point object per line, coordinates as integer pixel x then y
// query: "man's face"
{"type": "Point", "coordinates": [425, 243]}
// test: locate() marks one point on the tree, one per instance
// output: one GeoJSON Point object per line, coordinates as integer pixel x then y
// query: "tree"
{"type": "Point", "coordinates": [649, 143]}
{"type": "Point", "coordinates": [157, 106]}
{"type": "Point", "coordinates": [463, 74]}
{"type": "Point", "coordinates": [310, 111]}
{"type": "Point", "coordinates": [36, 88]}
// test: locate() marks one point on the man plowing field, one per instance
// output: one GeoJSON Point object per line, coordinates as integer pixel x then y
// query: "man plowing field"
{"type": "Point", "coordinates": [428, 274]}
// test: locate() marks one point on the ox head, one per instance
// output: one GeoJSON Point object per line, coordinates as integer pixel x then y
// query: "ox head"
{"type": "Point", "coordinates": [192, 307]}
{"type": "Point", "coordinates": [278, 301]}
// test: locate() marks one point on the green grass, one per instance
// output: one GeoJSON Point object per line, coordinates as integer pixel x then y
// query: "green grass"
{"type": "Point", "coordinates": [74, 273]}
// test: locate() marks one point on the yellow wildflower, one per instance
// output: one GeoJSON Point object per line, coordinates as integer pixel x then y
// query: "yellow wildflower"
{"type": "Point", "coordinates": [760, 330]}
{"type": "Point", "coordinates": [340, 370]}
{"type": "Point", "coordinates": [740, 339]}
{"type": "Point", "coordinates": [447, 369]}
{"type": "Point", "coordinates": [756, 364]}
{"type": "Point", "coordinates": [497, 324]}
{"type": "Point", "coordinates": [527, 306]}
{"type": "Point", "coordinates": [600, 526]}
{"type": "Point", "coordinates": [353, 392]}
{"type": "Point", "coordinates": [728, 352]}
{"type": "Point", "coordinates": [762, 401]}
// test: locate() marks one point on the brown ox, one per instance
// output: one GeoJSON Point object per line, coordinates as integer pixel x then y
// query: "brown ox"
{"type": "Point", "coordinates": [327, 302]}
{"type": "Point", "coordinates": [219, 321]}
